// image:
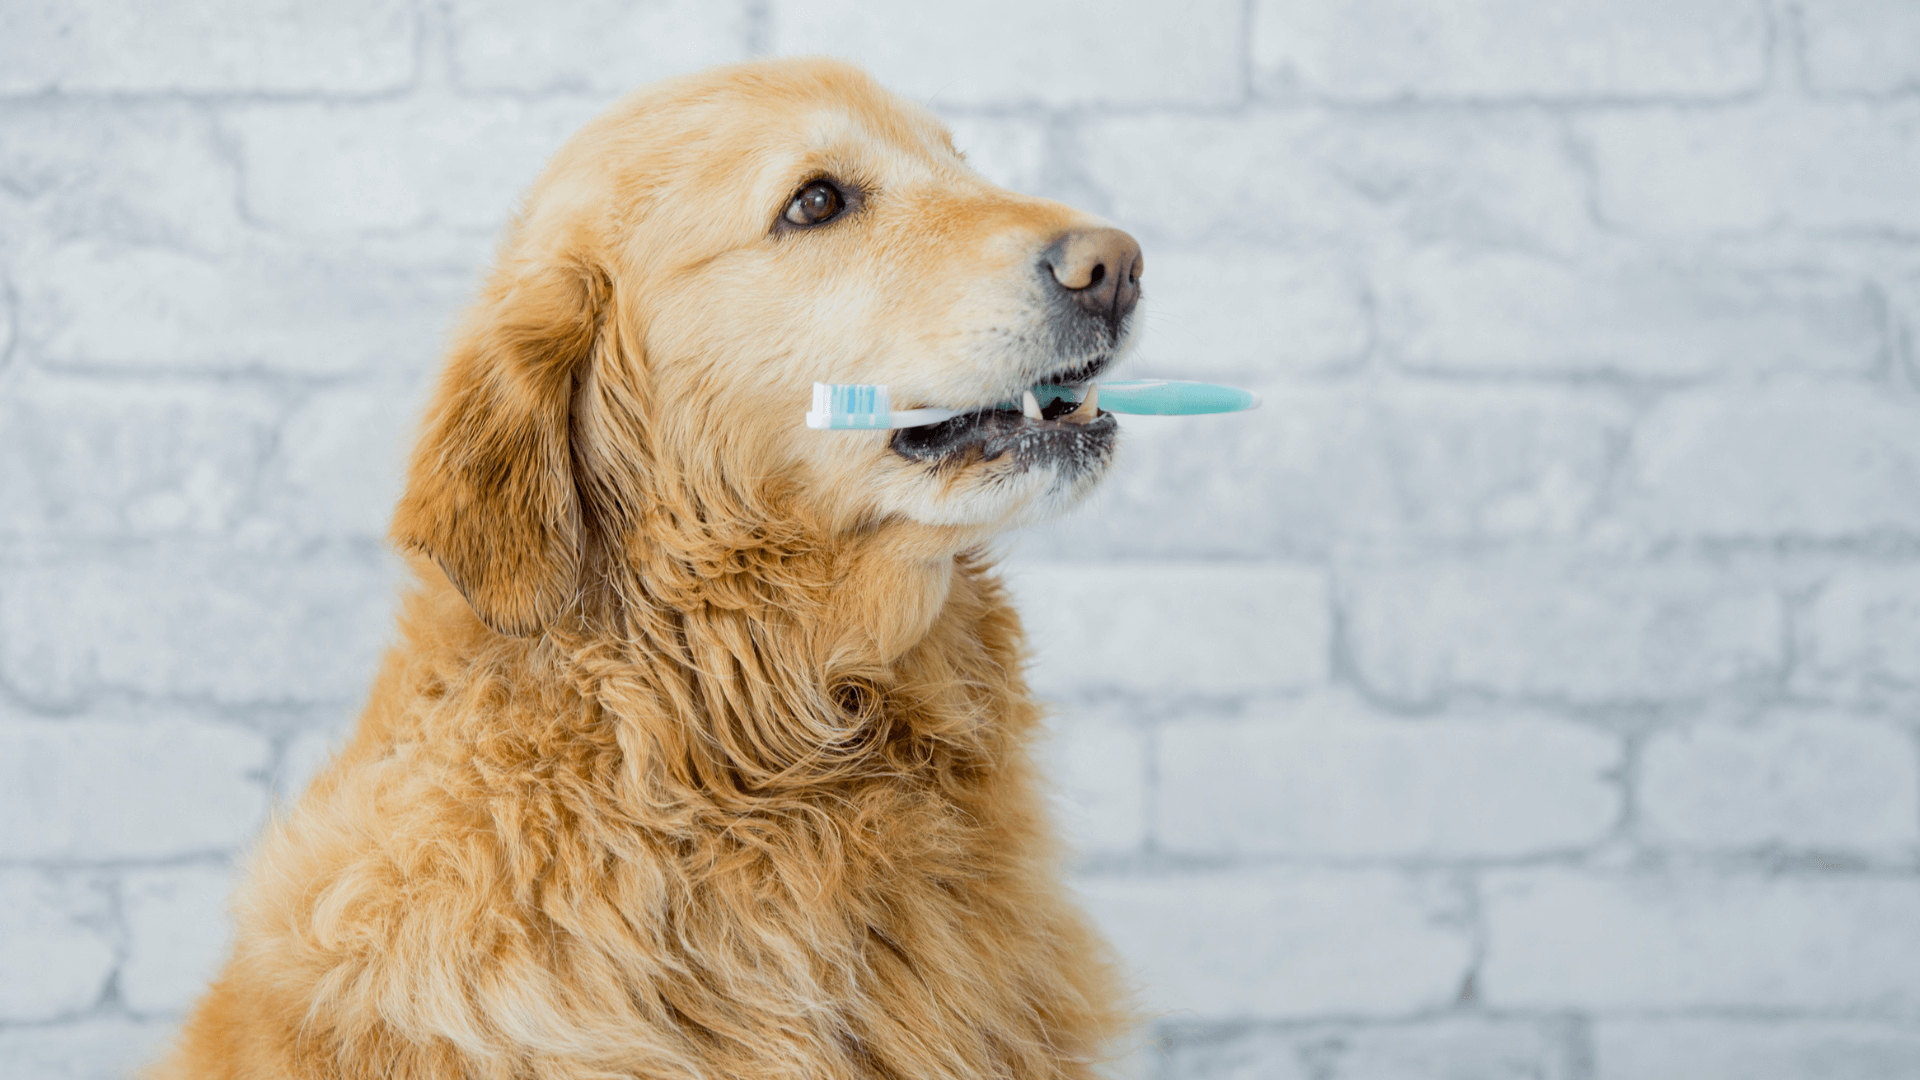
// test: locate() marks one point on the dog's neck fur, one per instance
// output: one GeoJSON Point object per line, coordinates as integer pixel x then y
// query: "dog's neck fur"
{"type": "Point", "coordinates": [780, 663]}
{"type": "Point", "coordinates": [834, 856]}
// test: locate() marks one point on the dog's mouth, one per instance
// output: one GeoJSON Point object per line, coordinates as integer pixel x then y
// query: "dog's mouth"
{"type": "Point", "coordinates": [1056, 420]}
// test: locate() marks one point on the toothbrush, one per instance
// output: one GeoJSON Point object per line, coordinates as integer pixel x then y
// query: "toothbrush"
{"type": "Point", "coordinates": [856, 406]}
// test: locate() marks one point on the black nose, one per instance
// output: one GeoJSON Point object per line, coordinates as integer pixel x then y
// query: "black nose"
{"type": "Point", "coordinates": [1100, 268]}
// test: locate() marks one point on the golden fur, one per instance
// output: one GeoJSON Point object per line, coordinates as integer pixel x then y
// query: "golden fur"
{"type": "Point", "coordinates": [704, 750]}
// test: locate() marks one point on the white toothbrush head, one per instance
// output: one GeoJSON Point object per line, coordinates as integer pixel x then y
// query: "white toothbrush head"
{"type": "Point", "coordinates": [865, 406]}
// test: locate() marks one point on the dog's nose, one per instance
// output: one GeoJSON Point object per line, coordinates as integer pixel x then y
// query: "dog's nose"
{"type": "Point", "coordinates": [1100, 268]}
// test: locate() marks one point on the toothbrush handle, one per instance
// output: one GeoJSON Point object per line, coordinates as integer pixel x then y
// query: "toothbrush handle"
{"type": "Point", "coordinates": [1171, 397]}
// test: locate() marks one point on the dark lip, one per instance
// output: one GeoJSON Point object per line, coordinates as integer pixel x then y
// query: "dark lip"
{"type": "Point", "coordinates": [996, 432]}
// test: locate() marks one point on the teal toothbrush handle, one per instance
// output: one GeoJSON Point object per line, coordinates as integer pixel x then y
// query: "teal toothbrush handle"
{"type": "Point", "coordinates": [1166, 397]}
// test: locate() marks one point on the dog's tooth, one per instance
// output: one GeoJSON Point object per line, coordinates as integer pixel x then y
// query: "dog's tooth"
{"type": "Point", "coordinates": [1031, 406]}
{"type": "Point", "coordinates": [1088, 408]}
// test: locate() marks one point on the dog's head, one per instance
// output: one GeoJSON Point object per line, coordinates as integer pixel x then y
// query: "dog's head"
{"type": "Point", "coordinates": [688, 266]}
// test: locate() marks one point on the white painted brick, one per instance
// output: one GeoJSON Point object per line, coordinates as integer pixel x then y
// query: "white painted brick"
{"type": "Point", "coordinates": [1584, 632]}
{"type": "Point", "coordinates": [95, 305]}
{"type": "Point", "coordinates": [1097, 763]}
{"type": "Point", "coordinates": [150, 788]}
{"type": "Point", "coordinates": [1510, 49]}
{"type": "Point", "coordinates": [178, 934]}
{"type": "Point", "coordinates": [1265, 945]}
{"type": "Point", "coordinates": [1825, 462]}
{"type": "Point", "coordinates": [306, 754]}
{"type": "Point", "coordinates": [1257, 1054]}
{"type": "Point", "coordinates": [1196, 628]}
{"type": "Point", "coordinates": [8, 319]}
{"type": "Point", "coordinates": [1488, 462]}
{"type": "Point", "coordinates": [1904, 309]}
{"type": "Point", "coordinates": [1820, 782]}
{"type": "Point", "coordinates": [1773, 1049]}
{"type": "Point", "coordinates": [56, 945]}
{"type": "Point", "coordinates": [132, 172]}
{"type": "Point", "coordinates": [1004, 52]}
{"type": "Point", "coordinates": [600, 46]}
{"type": "Point", "coordinates": [1317, 467]}
{"type": "Point", "coordinates": [348, 46]}
{"type": "Point", "coordinates": [1464, 1049]}
{"type": "Point", "coordinates": [1337, 179]}
{"type": "Point", "coordinates": [1862, 634]}
{"type": "Point", "coordinates": [1385, 50]}
{"type": "Point", "coordinates": [232, 626]}
{"type": "Point", "coordinates": [412, 163]}
{"type": "Point", "coordinates": [1646, 941]}
{"type": "Point", "coordinates": [104, 458]}
{"type": "Point", "coordinates": [93, 1050]}
{"type": "Point", "coordinates": [1447, 1049]}
{"type": "Point", "coordinates": [1518, 312]}
{"type": "Point", "coordinates": [338, 463]}
{"type": "Point", "coordinates": [1830, 168]}
{"type": "Point", "coordinates": [1861, 46]}
{"type": "Point", "coordinates": [1247, 315]}
{"type": "Point", "coordinates": [1008, 150]}
{"type": "Point", "coordinates": [1322, 778]}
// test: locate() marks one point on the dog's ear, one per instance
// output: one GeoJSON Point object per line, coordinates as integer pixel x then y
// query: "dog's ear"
{"type": "Point", "coordinates": [491, 494]}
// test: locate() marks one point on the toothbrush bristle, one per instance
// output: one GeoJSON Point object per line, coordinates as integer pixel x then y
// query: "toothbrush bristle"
{"type": "Point", "coordinates": [855, 404]}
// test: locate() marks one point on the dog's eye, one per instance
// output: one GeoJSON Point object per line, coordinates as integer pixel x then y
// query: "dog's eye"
{"type": "Point", "coordinates": [817, 202]}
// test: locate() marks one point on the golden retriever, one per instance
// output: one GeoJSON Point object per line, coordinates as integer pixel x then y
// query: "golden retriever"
{"type": "Point", "coordinates": [705, 749]}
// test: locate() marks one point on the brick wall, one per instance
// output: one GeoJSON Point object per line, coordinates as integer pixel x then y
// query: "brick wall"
{"type": "Point", "coordinates": [1529, 690]}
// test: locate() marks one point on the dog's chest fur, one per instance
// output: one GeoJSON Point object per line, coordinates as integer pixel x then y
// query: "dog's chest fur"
{"type": "Point", "coordinates": [532, 864]}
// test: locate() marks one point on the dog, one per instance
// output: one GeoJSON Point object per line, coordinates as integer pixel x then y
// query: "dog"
{"type": "Point", "coordinates": [705, 751]}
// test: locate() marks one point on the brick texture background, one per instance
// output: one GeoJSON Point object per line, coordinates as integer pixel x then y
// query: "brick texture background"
{"type": "Point", "coordinates": [1528, 691]}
